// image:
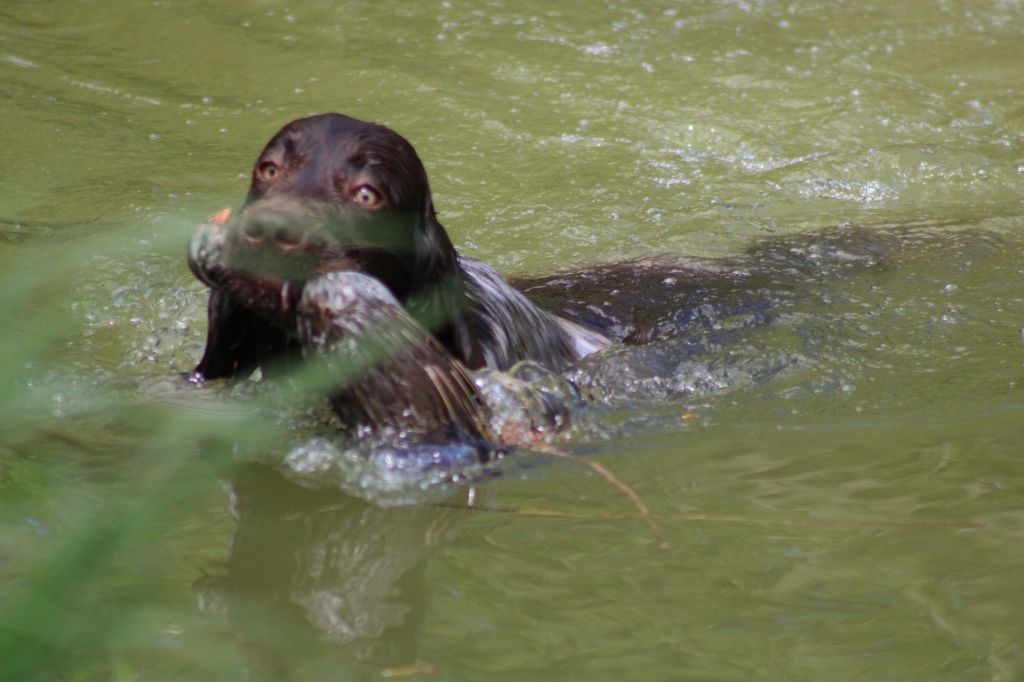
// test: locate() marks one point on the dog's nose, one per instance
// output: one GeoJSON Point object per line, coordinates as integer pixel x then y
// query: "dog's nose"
{"type": "Point", "coordinates": [267, 225]}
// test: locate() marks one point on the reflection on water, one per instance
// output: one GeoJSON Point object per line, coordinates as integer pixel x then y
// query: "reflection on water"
{"type": "Point", "coordinates": [308, 566]}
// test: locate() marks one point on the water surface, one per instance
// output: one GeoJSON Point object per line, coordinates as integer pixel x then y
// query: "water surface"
{"type": "Point", "coordinates": [830, 447]}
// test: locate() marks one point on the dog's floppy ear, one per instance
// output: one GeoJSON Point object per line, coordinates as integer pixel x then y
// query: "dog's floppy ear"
{"type": "Point", "coordinates": [237, 341]}
{"type": "Point", "coordinates": [440, 299]}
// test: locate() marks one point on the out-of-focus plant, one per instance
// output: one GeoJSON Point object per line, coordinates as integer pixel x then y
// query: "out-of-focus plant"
{"type": "Point", "coordinates": [61, 546]}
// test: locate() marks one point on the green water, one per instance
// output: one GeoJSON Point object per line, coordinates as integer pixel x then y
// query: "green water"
{"type": "Point", "coordinates": [840, 489]}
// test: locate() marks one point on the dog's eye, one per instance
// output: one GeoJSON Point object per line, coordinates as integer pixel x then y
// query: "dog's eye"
{"type": "Point", "coordinates": [366, 196]}
{"type": "Point", "coordinates": [268, 170]}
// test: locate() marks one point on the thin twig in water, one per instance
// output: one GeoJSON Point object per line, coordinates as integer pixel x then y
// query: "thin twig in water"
{"type": "Point", "coordinates": [835, 522]}
{"type": "Point", "coordinates": [607, 475]}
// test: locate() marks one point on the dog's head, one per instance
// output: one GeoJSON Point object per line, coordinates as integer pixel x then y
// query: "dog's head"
{"type": "Point", "coordinates": [328, 193]}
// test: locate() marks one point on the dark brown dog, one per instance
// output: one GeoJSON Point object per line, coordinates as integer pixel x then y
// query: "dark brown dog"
{"type": "Point", "coordinates": [332, 195]}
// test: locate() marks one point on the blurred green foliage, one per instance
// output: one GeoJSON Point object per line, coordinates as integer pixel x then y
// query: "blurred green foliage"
{"type": "Point", "coordinates": [80, 587]}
